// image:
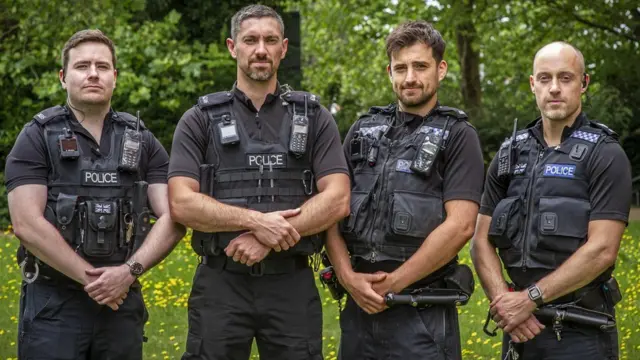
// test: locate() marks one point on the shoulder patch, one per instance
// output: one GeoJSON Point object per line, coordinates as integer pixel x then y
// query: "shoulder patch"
{"type": "Point", "coordinates": [45, 115]}
{"type": "Point", "coordinates": [129, 119]}
{"type": "Point", "coordinates": [298, 97]}
{"type": "Point", "coordinates": [374, 131]}
{"type": "Point", "coordinates": [449, 111]}
{"type": "Point", "coordinates": [586, 135]}
{"type": "Point", "coordinates": [607, 130]}
{"type": "Point", "coordinates": [218, 98]}
{"type": "Point", "coordinates": [425, 129]}
{"type": "Point", "coordinates": [520, 136]}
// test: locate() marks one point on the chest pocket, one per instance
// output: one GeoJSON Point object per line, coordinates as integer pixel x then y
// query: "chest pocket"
{"type": "Point", "coordinates": [506, 221]}
{"type": "Point", "coordinates": [414, 215]}
{"type": "Point", "coordinates": [563, 223]}
{"type": "Point", "coordinates": [101, 230]}
{"type": "Point", "coordinates": [361, 201]}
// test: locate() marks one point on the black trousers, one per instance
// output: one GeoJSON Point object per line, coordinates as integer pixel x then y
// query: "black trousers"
{"type": "Point", "coordinates": [228, 310]}
{"type": "Point", "coordinates": [577, 342]}
{"type": "Point", "coordinates": [400, 333]}
{"type": "Point", "coordinates": [61, 322]}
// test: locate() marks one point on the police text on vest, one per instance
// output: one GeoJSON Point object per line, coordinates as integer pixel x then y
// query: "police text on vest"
{"type": "Point", "coordinates": [276, 160]}
{"type": "Point", "coordinates": [560, 170]}
{"type": "Point", "coordinates": [100, 178]}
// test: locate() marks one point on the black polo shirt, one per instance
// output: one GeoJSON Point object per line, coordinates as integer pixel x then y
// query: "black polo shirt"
{"type": "Point", "coordinates": [29, 163]}
{"type": "Point", "coordinates": [191, 135]}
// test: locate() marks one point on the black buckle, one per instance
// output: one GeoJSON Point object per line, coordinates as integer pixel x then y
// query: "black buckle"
{"type": "Point", "coordinates": [257, 269]}
{"type": "Point", "coordinates": [308, 187]}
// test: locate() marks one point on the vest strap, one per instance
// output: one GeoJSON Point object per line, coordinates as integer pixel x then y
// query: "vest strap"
{"type": "Point", "coordinates": [255, 175]}
{"type": "Point", "coordinates": [256, 191]}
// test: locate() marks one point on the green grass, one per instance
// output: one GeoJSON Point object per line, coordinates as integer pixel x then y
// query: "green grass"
{"type": "Point", "coordinates": [166, 290]}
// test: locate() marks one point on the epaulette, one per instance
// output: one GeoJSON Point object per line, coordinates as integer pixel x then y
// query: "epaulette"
{"type": "Point", "coordinates": [128, 119]}
{"type": "Point", "coordinates": [45, 115]}
{"type": "Point", "coordinates": [214, 99]}
{"type": "Point", "coordinates": [389, 109]}
{"type": "Point", "coordinates": [449, 111]}
{"type": "Point", "coordinates": [607, 130]}
{"type": "Point", "coordinates": [298, 97]}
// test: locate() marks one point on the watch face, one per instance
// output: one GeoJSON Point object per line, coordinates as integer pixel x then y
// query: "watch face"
{"type": "Point", "coordinates": [534, 293]}
{"type": "Point", "coordinates": [136, 268]}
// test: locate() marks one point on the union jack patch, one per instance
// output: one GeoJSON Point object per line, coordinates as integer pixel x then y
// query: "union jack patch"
{"type": "Point", "coordinates": [100, 208]}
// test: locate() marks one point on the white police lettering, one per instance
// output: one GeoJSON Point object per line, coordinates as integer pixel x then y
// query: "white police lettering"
{"type": "Point", "coordinates": [266, 160]}
{"type": "Point", "coordinates": [100, 178]}
{"type": "Point", "coordinates": [560, 170]}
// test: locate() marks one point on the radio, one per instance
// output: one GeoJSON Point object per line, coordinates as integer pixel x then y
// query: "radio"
{"type": "Point", "coordinates": [505, 155]}
{"type": "Point", "coordinates": [426, 154]}
{"type": "Point", "coordinates": [299, 131]}
{"type": "Point", "coordinates": [131, 149]}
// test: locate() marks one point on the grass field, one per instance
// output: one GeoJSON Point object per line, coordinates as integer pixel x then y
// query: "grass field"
{"type": "Point", "coordinates": [166, 290]}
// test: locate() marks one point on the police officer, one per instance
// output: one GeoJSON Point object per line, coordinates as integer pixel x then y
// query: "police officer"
{"type": "Point", "coordinates": [555, 205]}
{"type": "Point", "coordinates": [258, 173]}
{"type": "Point", "coordinates": [416, 170]}
{"type": "Point", "coordinates": [79, 178]}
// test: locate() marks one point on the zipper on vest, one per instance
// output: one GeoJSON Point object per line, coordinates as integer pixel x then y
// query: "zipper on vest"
{"type": "Point", "coordinates": [529, 208]}
{"type": "Point", "coordinates": [258, 125]}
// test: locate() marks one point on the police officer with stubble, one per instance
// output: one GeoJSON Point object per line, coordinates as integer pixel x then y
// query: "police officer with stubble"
{"type": "Point", "coordinates": [258, 173]}
{"type": "Point", "coordinates": [416, 169]}
{"type": "Point", "coordinates": [80, 178]}
{"type": "Point", "coordinates": [555, 205]}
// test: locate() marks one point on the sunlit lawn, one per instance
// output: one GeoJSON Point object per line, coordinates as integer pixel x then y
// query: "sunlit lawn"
{"type": "Point", "coordinates": [166, 290]}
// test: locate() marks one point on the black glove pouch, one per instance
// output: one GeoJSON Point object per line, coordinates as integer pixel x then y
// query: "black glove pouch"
{"type": "Point", "coordinates": [101, 233]}
{"type": "Point", "coordinates": [461, 279]}
{"type": "Point", "coordinates": [66, 210]}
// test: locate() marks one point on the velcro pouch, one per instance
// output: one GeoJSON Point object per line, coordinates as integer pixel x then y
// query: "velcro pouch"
{"type": "Point", "coordinates": [461, 278]}
{"type": "Point", "coordinates": [101, 233]}
{"type": "Point", "coordinates": [65, 215]}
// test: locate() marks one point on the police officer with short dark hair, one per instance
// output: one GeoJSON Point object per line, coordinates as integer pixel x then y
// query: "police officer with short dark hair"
{"type": "Point", "coordinates": [555, 206]}
{"type": "Point", "coordinates": [257, 172]}
{"type": "Point", "coordinates": [80, 178]}
{"type": "Point", "coordinates": [417, 173]}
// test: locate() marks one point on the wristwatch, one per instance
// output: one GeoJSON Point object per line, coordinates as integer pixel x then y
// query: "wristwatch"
{"type": "Point", "coordinates": [535, 294]}
{"type": "Point", "coordinates": [135, 267]}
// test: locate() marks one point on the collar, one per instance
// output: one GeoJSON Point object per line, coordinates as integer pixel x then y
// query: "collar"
{"type": "Point", "coordinates": [536, 128]}
{"type": "Point", "coordinates": [240, 95]}
{"type": "Point", "coordinates": [410, 117]}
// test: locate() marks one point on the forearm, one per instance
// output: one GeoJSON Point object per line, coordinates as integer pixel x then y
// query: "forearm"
{"type": "Point", "coordinates": [338, 253]}
{"type": "Point", "coordinates": [579, 270]}
{"type": "Point", "coordinates": [44, 241]}
{"type": "Point", "coordinates": [162, 238]}
{"type": "Point", "coordinates": [320, 212]}
{"type": "Point", "coordinates": [440, 247]}
{"type": "Point", "coordinates": [203, 213]}
{"type": "Point", "coordinates": [488, 267]}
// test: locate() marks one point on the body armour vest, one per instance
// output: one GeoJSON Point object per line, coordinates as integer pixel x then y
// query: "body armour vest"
{"type": "Point", "coordinates": [254, 174]}
{"type": "Point", "coordinates": [89, 200]}
{"type": "Point", "coordinates": [395, 204]}
{"type": "Point", "coordinates": [545, 216]}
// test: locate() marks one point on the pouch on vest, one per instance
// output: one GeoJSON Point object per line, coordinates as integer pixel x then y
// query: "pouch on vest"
{"type": "Point", "coordinates": [355, 222]}
{"type": "Point", "coordinates": [414, 214]}
{"type": "Point", "coordinates": [563, 224]}
{"type": "Point", "coordinates": [65, 214]}
{"type": "Point", "coordinates": [101, 234]}
{"type": "Point", "coordinates": [461, 279]}
{"type": "Point", "coordinates": [505, 222]}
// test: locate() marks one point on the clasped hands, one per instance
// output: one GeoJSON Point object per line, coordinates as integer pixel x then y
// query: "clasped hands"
{"type": "Point", "coordinates": [272, 231]}
{"type": "Point", "coordinates": [513, 312]}
{"type": "Point", "coordinates": [109, 285]}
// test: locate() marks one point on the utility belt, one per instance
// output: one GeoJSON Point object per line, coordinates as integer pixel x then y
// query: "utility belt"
{"type": "Point", "coordinates": [593, 307]}
{"type": "Point", "coordinates": [454, 287]}
{"type": "Point", "coordinates": [275, 266]}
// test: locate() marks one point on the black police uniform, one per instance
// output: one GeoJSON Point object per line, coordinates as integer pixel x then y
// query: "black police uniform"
{"type": "Point", "coordinates": [404, 169]}
{"type": "Point", "coordinates": [252, 165]}
{"type": "Point", "coordinates": [90, 201]}
{"type": "Point", "coordinates": [541, 203]}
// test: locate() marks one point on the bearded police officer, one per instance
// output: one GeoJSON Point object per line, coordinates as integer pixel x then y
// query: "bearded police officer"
{"type": "Point", "coordinates": [555, 206]}
{"type": "Point", "coordinates": [417, 179]}
{"type": "Point", "coordinates": [79, 179]}
{"type": "Point", "coordinates": [258, 173]}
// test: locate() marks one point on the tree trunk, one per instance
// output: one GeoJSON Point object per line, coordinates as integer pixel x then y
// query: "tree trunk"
{"type": "Point", "coordinates": [469, 63]}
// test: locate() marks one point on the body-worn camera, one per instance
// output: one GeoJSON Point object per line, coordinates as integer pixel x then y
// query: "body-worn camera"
{"type": "Point", "coordinates": [68, 144]}
{"type": "Point", "coordinates": [228, 131]}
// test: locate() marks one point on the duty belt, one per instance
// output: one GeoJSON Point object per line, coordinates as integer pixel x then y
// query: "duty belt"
{"type": "Point", "coordinates": [265, 267]}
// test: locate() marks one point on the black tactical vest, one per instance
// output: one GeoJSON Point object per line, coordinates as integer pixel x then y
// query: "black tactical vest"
{"type": "Point", "coordinates": [89, 200]}
{"type": "Point", "coordinates": [545, 216]}
{"type": "Point", "coordinates": [253, 174]}
{"type": "Point", "coordinates": [393, 208]}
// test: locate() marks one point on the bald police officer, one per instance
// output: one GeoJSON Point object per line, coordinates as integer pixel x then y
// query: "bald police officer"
{"type": "Point", "coordinates": [555, 205]}
{"type": "Point", "coordinates": [80, 178]}
{"type": "Point", "coordinates": [258, 173]}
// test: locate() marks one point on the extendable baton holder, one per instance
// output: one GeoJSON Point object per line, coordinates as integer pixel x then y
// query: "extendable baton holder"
{"type": "Point", "coordinates": [417, 300]}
